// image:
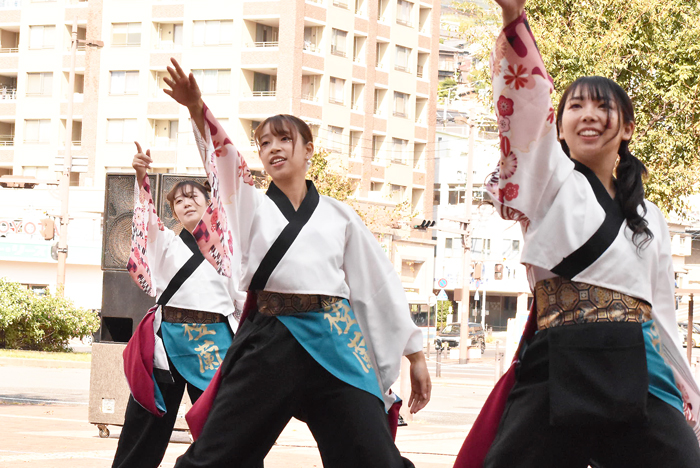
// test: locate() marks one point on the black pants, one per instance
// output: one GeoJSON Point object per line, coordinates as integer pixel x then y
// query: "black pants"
{"type": "Point", "coordinates": [268, 378]}
{"type": "Point", "coordinates": [144, 437]}
{"type": "Point", "coordinates": [526, 439]}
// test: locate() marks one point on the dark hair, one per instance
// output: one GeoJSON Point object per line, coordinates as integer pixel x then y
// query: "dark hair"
{"type": "Point", "coordinates": [188, 187]}
{"type": "Point", "coordinates": [630, 171]}
{"type": "Point", "coordinates": [282, 124]}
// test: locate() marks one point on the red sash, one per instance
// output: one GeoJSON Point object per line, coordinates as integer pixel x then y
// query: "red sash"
{"type": "Point", "coordinates": [138, 364]}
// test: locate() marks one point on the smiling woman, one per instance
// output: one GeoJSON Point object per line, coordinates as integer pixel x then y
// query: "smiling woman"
{"type": "Point", "coordinates": [326, 320]}
{"type": "Point", "coordinates": [600, 378]}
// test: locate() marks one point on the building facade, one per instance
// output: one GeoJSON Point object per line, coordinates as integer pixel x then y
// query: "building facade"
{"type": "Point", "coordinates": [362, 73]}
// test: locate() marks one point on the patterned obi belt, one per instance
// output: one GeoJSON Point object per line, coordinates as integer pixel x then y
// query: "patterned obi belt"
{"type": "Point", "coordinates": [272, 303]}
{"type": "Point", "coordinates": [177, 315]}
{"type": "Point", "coordinates": [564, 302]}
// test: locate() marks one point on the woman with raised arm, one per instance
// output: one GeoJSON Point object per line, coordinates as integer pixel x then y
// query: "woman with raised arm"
{"type": "Point", "coordinates": [600, 376]}
{"type": "Point", "coordinates": [183, 339]}
{"type": "Point", "coordinates": [326, 319]}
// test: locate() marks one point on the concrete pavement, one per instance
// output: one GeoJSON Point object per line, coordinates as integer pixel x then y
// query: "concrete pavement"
{"type": "Point", "coordinates": [44, 414]}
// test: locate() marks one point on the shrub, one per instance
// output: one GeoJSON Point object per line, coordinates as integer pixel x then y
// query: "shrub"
{"type": "Point", "coordinates": [43, 323]}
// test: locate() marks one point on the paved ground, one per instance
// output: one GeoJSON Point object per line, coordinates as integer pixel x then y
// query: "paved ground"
{"type": "Point", "coordinates": [44, 414]}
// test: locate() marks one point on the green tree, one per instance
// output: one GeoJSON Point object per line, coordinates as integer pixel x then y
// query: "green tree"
{"type": "Point", "coordinates": [651, 48]}
{"type": "Point", "coordinates": [443, 89]}
{"type": "Point", "coordinates": [443, 309]}
{"type": "Point", "coordinates": [45, 323]}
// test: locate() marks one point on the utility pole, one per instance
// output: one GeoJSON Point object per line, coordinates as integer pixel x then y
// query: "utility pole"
{"type": "Point", "coordinates": [467, 247]}
{"type": "Point", "coordinates": [64, 182]}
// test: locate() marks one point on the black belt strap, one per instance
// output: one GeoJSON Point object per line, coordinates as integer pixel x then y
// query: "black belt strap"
{"type": "Point", "coordinates": [185, 271]}
{"type": "Point", "coordinates": [297, 220]}
{"type": "Point", "coordinates": [602, 239]}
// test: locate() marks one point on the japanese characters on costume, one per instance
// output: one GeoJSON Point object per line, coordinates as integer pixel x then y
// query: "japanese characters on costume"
{"type": "Point", "coordinates": [333, 289]}
{"type": "Point", "coordinates": [190, 328]}
{"type": "Point", "coordinates": [563, 210]}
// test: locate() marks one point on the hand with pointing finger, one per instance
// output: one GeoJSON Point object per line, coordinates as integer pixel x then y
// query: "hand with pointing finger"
{"type": "Point", "coordinates": [142, 161]}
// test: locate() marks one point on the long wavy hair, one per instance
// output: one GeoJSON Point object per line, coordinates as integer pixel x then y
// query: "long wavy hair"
{"type": "Point", "coordinates": [630, 171]}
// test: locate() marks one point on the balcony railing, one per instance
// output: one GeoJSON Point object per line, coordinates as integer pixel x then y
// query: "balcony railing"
{"type": "Point", "coordinates": [263, 44]}
{"type": "Point", "coordinates": [7, 140]}
{"type": "Point", "coordinates": [9, 50]}
{"type": "Point", "coordinates": [340, 4]}
{"type": "Point", "coordinates": [419, 71]}
{"type": "Point", "coordinates": [336, 51]}
{"type": "Point", "coordinates": [311, 47]}
{"type": "Point", "coordinates": [8, 94]}
{"type": "Point", "coordinates": [400, 114]}
{"type": "Point", "coordinates": [360, 11]}
{"type": "Point", "coordinates": [260, 94]}
{"type": "Point", "coordinates": [402, 68]}
{"type": "Point", "coordinates": [333, 100]}
{"type": "Point", "coordinates": [309, 97]}
{"type": "Point", "coordinates": [10, 3]}
{"type": "Point", "coordinates": [404, 22]}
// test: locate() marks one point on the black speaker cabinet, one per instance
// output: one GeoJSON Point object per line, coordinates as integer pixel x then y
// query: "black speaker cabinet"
{"type": "Point", "coordinates": [123, 302]}
{"type": "Point", "coordinates": [119, 209]}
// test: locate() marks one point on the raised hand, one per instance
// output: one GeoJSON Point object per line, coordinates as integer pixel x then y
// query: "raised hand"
{"type": "Point", "coordinates": [142, 161]}
{"type": "Point", "coordinates": [512, 9]}
{"type": "Point", "coordinates": [184, 88]}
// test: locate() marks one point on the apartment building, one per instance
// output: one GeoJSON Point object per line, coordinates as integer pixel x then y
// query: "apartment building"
{"type": "Point", "coordinates": [362, 73]}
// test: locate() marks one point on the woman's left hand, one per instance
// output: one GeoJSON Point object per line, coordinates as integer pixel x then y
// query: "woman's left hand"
{"type": "Point", "coordinates": [420, 382]}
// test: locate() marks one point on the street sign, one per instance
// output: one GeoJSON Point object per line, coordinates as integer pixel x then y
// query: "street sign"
{"type": "Point", "coordinates": [442, 295]}
{"type": "Point", "coordinates": [442, 282]}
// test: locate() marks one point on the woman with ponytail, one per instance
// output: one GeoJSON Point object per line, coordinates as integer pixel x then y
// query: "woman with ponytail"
{"type": "Point", "coordinates": [599, 377]}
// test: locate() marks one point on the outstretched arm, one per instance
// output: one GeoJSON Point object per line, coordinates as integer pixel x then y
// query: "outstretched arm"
{"type": "Point", "coordinates": [532, 166]}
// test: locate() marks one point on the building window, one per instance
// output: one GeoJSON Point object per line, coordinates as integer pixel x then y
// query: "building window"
{"type": "Point", "coordinates": [456, 195]}
{"type": "Point", "coordinates": [381, 50]}
{"type": "Point", "coordinates": [335, 136]}
{"type": "Point", "coordinates": [309, 87]}
{"type": "Point", "coordinates": [169, 36]}
{"type": "Point", "coordinates": [377, 142]}
{"type": "Point", "coordinates": [356, 97]}
{"type": "Point", "coordinates": [338, 41]}
{"type": "Point", "coordinates": [397, 193]}
{"type": "Point", "coordinates": [436, 194]}
{"type": "Point", "coordinates": [213, 81]}
{"type": "Point", "coordinates": [126, 34]}
{"type": "Point", "coordinates": [39, 84]}
{"type": "Point", "coordinates": [37, 131]}
{"type": "Point", "coordinates": [121, 130]}
{"type": "Point", "coordinates": [448, 247]}
{"type": "Point", "coordinates": [124, 82]}
{"type": "Point", "coordinates": [355, 144]}
{"type": "Point", "coordinates": [403, 12]}
{"type": "Point", "coordinates": [358, 49]}
{"type": "Point", "coordinates": [312, 38]}
{"type": "Point", "coordinates": [266, 36]}
{"type": "Point", "coordinates": [401, 104]}
{"type": "Point", "coordinates": [42, 37]}
{"type": "Point", "coordinates": [336, 91]}
{"type": "Point", "coordinates": [264, 85]}
{"type": "Point", "coordinates": [378, 100]}
{"type": "Point", "coordinates": [403, 57]}
{"type": "Point", "coordinates": [212, 33]}
{"type": "Point", "coordinates": [376, 186]}
{"type": "Point", "coordinates": [399, 150]}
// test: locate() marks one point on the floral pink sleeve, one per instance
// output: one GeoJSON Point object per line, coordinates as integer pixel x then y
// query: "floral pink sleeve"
{"type": "Point", "coordinates": [225, 224]}
{"type": "Point", "coordinates": [144, 216]}
{"type": "Point", "coordinates": [532, 165]}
